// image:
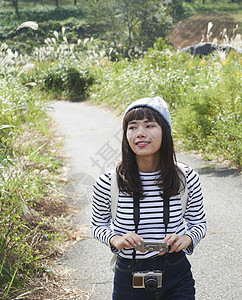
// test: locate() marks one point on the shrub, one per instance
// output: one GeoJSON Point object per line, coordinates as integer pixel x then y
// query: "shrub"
{"type": "Point", "coordinates": [68, 81]}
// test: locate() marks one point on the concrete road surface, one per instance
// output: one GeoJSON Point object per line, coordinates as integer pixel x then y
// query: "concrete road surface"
{"type": "Point", "coordinates": [92, 140]}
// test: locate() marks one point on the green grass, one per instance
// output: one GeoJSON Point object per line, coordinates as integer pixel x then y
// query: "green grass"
{"type": "Point", "coordinates": [203, 95]}
{"type": "Point", "coordinates": [212, 6]}
{"type": "Point", "coordinates": [27, 171]}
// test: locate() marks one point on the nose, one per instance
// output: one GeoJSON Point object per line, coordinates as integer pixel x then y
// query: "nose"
{"type": "Point", "coordinates": [141, 132]}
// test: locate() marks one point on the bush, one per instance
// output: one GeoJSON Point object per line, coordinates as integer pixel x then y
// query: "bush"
{"type": "Point", "coordinates": [71, 83]}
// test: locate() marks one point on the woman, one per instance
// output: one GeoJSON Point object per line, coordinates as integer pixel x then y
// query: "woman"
{"type": "Point", "coordinates": [149, 210]}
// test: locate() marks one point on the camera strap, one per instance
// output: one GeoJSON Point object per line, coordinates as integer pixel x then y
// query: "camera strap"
{"type": "Point", "coordinates": [136, 219]}
{"type": "Point", "coordinates": [166, 219]}
{"type": "Point", "coordinates": [166, 213]}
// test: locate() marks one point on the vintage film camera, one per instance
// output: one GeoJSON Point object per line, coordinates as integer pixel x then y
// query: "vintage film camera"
{"type": "Point", "coordinates": [153, 246]}
{"type": "Point", "coordinates": [150, 280]}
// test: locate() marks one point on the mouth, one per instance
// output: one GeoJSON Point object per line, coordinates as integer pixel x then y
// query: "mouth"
{"type": "Point", "coordinates": [142, 143]}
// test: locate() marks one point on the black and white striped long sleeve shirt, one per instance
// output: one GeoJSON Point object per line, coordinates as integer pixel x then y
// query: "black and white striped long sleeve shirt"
{"type": "Point", "coordinates": [151, 226]}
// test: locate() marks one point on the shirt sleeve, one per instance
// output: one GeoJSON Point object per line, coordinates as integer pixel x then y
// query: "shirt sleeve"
{"type": "Point", "coordinates": [101, 211]}
{"type": "Point", "coordinates": [194, 214]}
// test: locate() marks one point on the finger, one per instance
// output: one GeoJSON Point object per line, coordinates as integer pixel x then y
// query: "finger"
{"type": "Point", "coordinates": [171, 239]}
{"type": "Point", "coordinates": [132, 241]}
{"type": "Point", "coordinates": [129, 242]}
{"type": "Point", "coordinates": [178, 249]}
{"type": "Point", "coordinates": [177, 246]}
{"type": "Point", "coordinates": [166, 239]}
{"type": "Point", "coordinates": [181, 247]}
{"type": "Point", "coordinates": [136, 238]}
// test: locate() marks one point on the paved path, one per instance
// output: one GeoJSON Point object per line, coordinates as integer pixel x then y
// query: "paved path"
{"type": "Point", "coordinates": [89, 132]}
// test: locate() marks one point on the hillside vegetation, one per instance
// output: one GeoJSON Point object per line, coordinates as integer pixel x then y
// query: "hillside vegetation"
{"type": "Point", "coordinates": [192, 30]}
{"type": "Point", "coordinates": [64, 57]}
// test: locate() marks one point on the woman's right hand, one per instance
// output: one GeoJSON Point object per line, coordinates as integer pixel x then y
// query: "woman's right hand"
{"type": "Point", "coordinates": [128, 240]}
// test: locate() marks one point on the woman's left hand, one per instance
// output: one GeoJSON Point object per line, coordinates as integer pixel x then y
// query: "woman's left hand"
{"type": "Point", "coordinates": [177, 242]}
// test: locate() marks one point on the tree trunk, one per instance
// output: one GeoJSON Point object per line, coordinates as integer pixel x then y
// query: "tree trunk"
{"type": "Point", "coordinates": [15, 5]}
{"type": "Point", "coordinates": [57, 3]}
{"type": "Point", "coordinates": [130, 36]}
{"type": "Point", "coordinates": [75, 2]}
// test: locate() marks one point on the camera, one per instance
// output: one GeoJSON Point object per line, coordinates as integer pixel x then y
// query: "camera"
{"type": "Point", "coordinates": [153, 246]}
{"type": "Point", "coordinates": [150, 280]}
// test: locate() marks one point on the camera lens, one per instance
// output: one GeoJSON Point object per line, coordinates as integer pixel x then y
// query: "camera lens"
{"type": "Point", "coordinates": [151, 283]}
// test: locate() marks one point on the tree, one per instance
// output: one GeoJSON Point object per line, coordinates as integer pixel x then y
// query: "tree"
{"type": "Point", "coordinates": [131, 15]}
{"type": "Point", "coordinates": [175, 9]}
{"type": "Point", "coordinates": [154, 24]}
{"type": "Point", "coordinates": [100, 16]}
{"type": "Point", "coordinates": [15, 5]}
{"type": "Point", "coordinates": [145, 20]}
{"type": "Point", "coordinates": [130, 22]}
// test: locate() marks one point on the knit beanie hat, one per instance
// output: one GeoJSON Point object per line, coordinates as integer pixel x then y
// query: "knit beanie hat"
{"type": "Point", "coordinates": [157, 103]}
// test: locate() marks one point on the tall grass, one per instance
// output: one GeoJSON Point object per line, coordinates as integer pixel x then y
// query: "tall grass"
{"type": "Point", "coordinates": [28, 158]}
{"type": "Point", "coordinates": [204, 96]}
{"type": "Point", "coordinates": [27, 174]}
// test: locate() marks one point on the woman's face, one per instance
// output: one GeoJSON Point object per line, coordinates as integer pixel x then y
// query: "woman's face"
{"type": "Point", "coordinates": [144, 137]}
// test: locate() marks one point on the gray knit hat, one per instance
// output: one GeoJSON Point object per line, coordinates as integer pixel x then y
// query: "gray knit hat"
{"type": "Point", "coordinates": [157, 103]}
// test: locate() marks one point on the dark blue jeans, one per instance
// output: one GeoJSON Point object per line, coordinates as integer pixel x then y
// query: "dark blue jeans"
{"type": "Point", "coordinates": [177, 282]}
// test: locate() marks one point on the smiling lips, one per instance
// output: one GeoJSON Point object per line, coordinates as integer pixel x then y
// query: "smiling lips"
{"type": "Point", "coordinates": [142, 143]}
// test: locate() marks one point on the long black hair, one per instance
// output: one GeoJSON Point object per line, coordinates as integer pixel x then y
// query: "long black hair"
{"type": "Point", "coordinates": [127, 170]}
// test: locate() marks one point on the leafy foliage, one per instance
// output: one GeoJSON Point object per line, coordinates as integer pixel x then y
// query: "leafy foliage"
{"type": "Point", "coordinates": [26, 175]}
{"type": "Point", "coordinates": [68, 81]}
{"type": "Point", "coordinates": [203, 95]}
{"type": "Point", "coordinates": [40, 14]}
{"type": "Point", "coordinates": [135, 22]}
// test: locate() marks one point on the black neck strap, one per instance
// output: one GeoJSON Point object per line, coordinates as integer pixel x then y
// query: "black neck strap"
{"type": "Point", "coordinates": [166, 216]}
{"type": "Point", "coordinates": [136, 213]}
{"type": "Point", "coordinates": [136, 219]}
{"type": "Point", "coordinates": [166, 213]}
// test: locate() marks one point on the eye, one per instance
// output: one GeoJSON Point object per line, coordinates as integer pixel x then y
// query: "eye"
{"type": "Point", "coordinates": [151, 125]}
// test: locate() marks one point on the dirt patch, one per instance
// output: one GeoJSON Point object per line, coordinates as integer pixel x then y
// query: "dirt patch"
{"type": "Point", "coordinates": [190, 31]}
{"type": "Point", "coordinates": [54, 286]}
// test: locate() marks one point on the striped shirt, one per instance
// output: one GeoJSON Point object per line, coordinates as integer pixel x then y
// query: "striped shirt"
{"type": "Point", "coordinates": [151, 226]}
